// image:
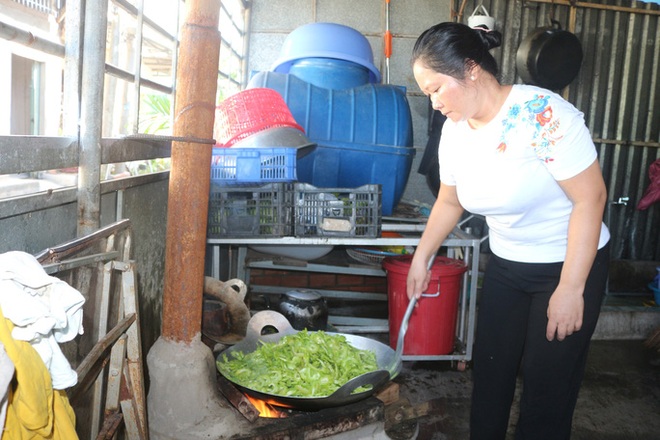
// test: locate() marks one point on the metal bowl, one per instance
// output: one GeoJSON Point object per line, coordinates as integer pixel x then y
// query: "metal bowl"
{"type": "Point", "coordinates": [278, 137]}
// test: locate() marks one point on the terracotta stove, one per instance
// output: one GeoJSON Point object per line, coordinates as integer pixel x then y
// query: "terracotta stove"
{"type": "Point", "coordinates": [273, 422]}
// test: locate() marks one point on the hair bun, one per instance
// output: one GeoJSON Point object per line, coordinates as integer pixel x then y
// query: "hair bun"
{"type": "Point", "coordinates": [490, 38]}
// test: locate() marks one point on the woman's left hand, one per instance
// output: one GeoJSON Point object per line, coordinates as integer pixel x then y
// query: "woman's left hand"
{"type": "Point", "coordinates": [587, 192]}
{"type": "Point", "coordinates": [565, 311]}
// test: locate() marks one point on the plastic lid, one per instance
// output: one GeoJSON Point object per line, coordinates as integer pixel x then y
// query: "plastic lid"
{"type": "Point", "coordinates": [304, 295]}
{"type": "Point", "coordinates": [327, 40]}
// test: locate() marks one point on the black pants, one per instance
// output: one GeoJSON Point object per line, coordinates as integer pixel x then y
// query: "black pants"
{"type": "Point", "coordinates": [510, 337]}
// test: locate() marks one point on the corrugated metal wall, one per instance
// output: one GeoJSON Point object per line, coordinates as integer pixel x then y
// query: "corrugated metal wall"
{"type": "Point", "coordinates": [617, 91]}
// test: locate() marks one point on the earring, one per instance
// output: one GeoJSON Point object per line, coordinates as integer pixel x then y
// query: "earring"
{"type": "Point", "coordinates": [472, 77]}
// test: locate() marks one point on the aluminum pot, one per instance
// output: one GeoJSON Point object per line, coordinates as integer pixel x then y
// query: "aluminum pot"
{"type": "Point", "coordinates": [549, 57]}
{"type": "Point", "coordinates": [305, 309]}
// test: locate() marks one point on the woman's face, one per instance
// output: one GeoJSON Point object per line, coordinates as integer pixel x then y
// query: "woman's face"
{"type": "Point", "coordinates": [449, 95]}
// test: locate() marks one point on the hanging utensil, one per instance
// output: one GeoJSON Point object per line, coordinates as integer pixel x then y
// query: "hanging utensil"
{"type": "Point", "coordinates": [549, 57]}
{"type": "Point", "coordinates": [481, 18]}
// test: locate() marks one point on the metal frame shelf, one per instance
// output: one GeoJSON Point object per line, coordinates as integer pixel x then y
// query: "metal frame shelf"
{"type": "Point", "coordinates": [458, 243]}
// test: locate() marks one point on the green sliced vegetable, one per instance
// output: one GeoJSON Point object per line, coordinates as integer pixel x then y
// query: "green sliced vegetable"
{"type": "Point", "coordinates": [305, 364]}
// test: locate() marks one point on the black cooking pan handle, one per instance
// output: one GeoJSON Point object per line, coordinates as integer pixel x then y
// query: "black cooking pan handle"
{"type": "Point", "coordinates": [374, 378]}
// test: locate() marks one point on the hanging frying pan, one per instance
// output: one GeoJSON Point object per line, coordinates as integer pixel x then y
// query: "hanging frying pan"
{"type": "Point", "coordinates": [549, 57]}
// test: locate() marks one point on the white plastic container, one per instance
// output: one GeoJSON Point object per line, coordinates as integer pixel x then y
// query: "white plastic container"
{"type": "Point", "coordinates": [481, 20]}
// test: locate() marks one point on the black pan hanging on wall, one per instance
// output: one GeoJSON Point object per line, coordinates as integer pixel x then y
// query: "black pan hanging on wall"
{"type": "Point", "coordinates": [549, 57]}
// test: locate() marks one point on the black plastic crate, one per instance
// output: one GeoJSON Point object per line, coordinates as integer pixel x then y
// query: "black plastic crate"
{"type": "Point", "coordinates": [337, 212]}
{"type": "Point", "coordinates": [247, 211]}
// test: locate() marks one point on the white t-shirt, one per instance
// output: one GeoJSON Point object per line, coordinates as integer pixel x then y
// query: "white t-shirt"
{"type": "Point", "coordinates": [508, 170]}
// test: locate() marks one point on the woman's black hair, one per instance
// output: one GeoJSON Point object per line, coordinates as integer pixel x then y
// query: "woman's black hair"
{"type": "Point", "coordinates": [452, 48]}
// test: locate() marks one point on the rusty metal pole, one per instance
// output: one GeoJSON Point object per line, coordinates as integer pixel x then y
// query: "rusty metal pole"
{"type": "Point", "coordinates": [194, 112]}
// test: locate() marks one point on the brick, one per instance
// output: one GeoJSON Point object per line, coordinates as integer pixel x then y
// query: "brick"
{"type": "Point", "coordinates": [372, 289]}
{"type": "Point", "coordinates": [293, 279]}
{"type": "Point", "coordinates": [266, 280]}
{"type": "Point", "coordinates": [318, 281]}
{"type": "Point", "coordinates": [350, 280]}
{"type": "Point", "coordinates": [375, 281]}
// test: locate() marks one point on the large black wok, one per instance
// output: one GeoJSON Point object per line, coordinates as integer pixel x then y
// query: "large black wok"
{"type": "Point", "coordinates": [388, 363]}
{"type": "Point", "coordinates": [549, 57]}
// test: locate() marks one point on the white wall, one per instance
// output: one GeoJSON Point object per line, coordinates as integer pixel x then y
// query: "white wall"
{"type": "Point", "coordinates": [5, 88]}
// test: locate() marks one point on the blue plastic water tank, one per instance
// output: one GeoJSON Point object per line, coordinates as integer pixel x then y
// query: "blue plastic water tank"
{"type": "Point", "coordinates": [364, 134]}
{"type": "Point", "coordinates": [349, 165]}
{"type": "Point", "coordinates": [369, 114]}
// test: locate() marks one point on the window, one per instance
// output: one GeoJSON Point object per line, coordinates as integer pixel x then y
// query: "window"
{"type": "Point", "coordinates": [27, 99]}
{"type": "Point", "coordinates": [140, 75]}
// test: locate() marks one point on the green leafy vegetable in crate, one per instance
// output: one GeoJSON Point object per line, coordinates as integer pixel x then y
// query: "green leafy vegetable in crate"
{"type": "Point", "coordinates": [305, 364]}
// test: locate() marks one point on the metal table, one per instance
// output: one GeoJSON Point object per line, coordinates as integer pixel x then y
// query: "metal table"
{"type": "Point", "coordinates": [459, 245]}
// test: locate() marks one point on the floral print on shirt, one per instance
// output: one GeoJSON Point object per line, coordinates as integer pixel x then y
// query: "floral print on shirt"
{"type": "Point", "coordinates": [535, 114]}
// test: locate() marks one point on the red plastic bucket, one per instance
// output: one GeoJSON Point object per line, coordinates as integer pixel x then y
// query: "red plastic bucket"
{"type": "Point", "coordinates": [432, 326]}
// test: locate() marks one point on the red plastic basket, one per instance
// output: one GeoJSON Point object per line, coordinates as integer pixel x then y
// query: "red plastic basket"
{"type": "Point", "coordinates": [248, 112]}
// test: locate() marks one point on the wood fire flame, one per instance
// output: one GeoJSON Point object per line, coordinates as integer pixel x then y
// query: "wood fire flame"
{"type": "Point", "coordinates": [265, 409]}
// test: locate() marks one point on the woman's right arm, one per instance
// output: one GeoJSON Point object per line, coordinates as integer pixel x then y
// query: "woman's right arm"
{"type": "Point", "coordinates": [443, 218]}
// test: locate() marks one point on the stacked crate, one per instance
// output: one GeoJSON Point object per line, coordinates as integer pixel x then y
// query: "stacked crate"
{"type": "Point", "coordinates": [251, 192]}
{"type": "Point", "coordinates": [254, 191]}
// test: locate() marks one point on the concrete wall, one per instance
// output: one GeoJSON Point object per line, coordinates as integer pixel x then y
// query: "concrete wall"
{"type": "Point", "coordinates": [272, 20]}
{"type": "Point", "coordinates": [144, 204]}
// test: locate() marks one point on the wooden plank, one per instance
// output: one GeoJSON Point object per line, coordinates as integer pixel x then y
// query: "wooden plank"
{"type": "Point", "coordinates": [389, 394]}
{"type": "Point", "coordinates": [238, 399]}
{"type": "Point", "coordinates": [90, 368]}
{"type": "Point", "coordinates": [110, 426]}
{"type": "Point", "coordinates": [134, 345]}
{"type": "Point", "coordinates": [129, 409]}
{"type": "Point", "coordinates": [103, 306]}
{"type": "Point", "coordinates": [117, 365]}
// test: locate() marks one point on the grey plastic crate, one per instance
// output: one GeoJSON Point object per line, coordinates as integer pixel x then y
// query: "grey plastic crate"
{"type": "Point", "coordinates": [246, 211]}
{"type": "Point", "coordinates": [337, 212]}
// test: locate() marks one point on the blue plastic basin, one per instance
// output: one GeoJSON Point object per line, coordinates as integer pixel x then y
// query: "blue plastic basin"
{"type": "Point", "coordinates": [330, 73]}
{"type": "Point", "coordinates": [326, 40]}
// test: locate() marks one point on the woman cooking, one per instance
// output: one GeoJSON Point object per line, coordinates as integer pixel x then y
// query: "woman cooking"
{"type": "Point", "coordinates": [522, 157]}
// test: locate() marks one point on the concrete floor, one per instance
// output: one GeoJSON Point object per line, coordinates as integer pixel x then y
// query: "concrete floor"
{"type": "Point", "coordinates": [619, 399]}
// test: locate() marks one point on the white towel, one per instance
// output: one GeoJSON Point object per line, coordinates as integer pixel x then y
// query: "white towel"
{"type": "Point", "coordinates": [44, 310]}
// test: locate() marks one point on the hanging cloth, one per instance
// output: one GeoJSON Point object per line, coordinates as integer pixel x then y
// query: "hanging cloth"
{"type": "Point", "coordinates": [34, 410]}
{"type": "Point", "coordinates": [45, 311]}
{"type": "Point", "coordinates": [652, 193]}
